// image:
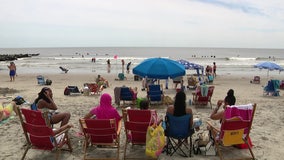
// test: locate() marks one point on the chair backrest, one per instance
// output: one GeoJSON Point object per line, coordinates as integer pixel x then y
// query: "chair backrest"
{"type": "Point", "coordinates": [37, 131]}
{"type": "Point", "coordinates": [192, 81]}
{"type": "Point", "coordinates": [136, 123]}
{"type": "Point", "coordinates": [178, 127]}
{"type": "Point", "coordinates": [125, 94]}
{"type": "Point", "coordinates": [93, 87]}
{"type": "Point", "coordinates": [40, 80]}
{"type": "Point", "coordinates": [236, 124]}
{"type": "Point", "coordinates": [154, 92]}
{"type": "Point", "coordinates": [207, 98]}
{"type": "Point", "coordinates": [256, 78]}
{"type": "Point", "coordinates": [101, 131]}
{"type": "Point", "coordinates": [281, 84]}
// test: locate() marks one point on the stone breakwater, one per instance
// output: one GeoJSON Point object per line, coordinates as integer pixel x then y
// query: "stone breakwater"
{"type": "Point", "coordinates": [12, 57]}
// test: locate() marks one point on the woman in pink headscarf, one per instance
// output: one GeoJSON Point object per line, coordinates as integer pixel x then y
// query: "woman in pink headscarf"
{"type": "Point", "coordinates": [105, 111]}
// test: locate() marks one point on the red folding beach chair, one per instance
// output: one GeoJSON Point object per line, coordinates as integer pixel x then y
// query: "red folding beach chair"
{"type": "Point", "coordinates": [101, 133]}
{"type": "Point", "coordinates": [234, 129]}
{"type": "Point", "coordinates": [199, 99]}
{"type": "Point", "coordinates": [136, 123]}
{"type": "Point", "coordinates": [40, 135]}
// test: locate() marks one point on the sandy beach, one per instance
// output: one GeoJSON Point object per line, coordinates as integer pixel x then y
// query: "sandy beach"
{"type": "Point", "coordinates": [266, 134]}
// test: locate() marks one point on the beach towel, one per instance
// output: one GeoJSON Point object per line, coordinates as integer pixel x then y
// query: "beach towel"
{"type": "Point", "coordinates": [204, 90]}
{"type": "Point", "coordinates": [117, 95]}
{"type": "Point", "coordinates": [242, 111]}
{"type": "Point", "coordinates": [6, 120]}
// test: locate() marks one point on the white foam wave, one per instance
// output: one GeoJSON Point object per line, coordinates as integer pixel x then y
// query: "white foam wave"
{"type": "Point", "coordinates": [241, 58]}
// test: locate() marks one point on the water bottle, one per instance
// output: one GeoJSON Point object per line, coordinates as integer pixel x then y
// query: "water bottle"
{"type": "Point", "coordinates": [189, 102]}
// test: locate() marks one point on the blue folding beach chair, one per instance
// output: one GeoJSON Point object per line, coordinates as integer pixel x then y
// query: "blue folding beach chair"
{"type": "Point", "coordinates": [272, 88]}
{"type": "Point", "coordinates": [40, 80]}
{"type": "Point", "coordinates": [155, 93]}
{"type": "Point", "coordinates": [178, 130]}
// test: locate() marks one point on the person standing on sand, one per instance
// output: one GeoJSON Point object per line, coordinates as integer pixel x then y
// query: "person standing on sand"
{"type": "Point", "coordinates": [108, 66]}
{"type": "Point", "coordinates": [122, 65]}
{"type": "Point", "coordinates": [214, 69]}
{"type": "Point", "coordinates": [12, 72]}
{"type": "Point", "coordinates": [128, 67]}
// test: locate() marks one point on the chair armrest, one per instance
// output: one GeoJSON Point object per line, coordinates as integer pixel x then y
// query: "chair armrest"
{"type": "Point", "coordinates": [61, 130]}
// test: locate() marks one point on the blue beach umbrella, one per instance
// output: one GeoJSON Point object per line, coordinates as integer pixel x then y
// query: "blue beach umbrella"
{"type": "Point", "coordinates": [270, 66]}
{"type": "Point", "coordinates": [191, 66]}
{"type": "Point", "coordinates": [159, 68]}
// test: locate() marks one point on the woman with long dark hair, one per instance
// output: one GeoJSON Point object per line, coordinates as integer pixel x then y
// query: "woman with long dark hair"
{"type": "Point", "coordinates": [179, 108]}
{"type": "Point", "coordinates": [44, 102]}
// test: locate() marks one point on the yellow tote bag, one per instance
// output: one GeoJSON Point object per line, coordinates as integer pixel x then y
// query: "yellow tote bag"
{"type": "Point", "coordinates": [155, 141]}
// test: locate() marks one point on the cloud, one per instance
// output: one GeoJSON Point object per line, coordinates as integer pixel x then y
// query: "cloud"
{"type": "Point", "coordinates": [140, 23]}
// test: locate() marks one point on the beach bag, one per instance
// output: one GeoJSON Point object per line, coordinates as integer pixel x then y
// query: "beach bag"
{"type": "Point", "coordinates": [201, 141]}
{"type": "Point", "coordinates": [155, 140]}
{"type": "Point", "coordinates": [168, 100]}
{"type": "Point", "coordinates": [48, 82]}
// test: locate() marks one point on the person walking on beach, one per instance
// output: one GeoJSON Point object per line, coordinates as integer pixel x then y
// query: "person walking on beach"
{"type": "Point", "coordinates": [12, 71]}
{"type": "Point", "coordinates": [128, 67]}
{"type": "Point", "coordinates": [214, 69]}
{"type": "Point", "coordinates": [122, 65]}
{"type": "Point", "coordinates": [108, 65]}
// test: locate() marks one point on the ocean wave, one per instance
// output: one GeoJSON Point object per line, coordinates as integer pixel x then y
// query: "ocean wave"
{"type": "Point", "coordinates": [241, 58]}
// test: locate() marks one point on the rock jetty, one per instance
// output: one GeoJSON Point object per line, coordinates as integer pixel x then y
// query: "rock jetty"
{"type": "Point", "coordinates": [12, 57]}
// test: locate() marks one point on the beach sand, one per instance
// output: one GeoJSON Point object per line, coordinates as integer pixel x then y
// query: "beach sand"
{"type": "Point", "coordinates": [266, 134]}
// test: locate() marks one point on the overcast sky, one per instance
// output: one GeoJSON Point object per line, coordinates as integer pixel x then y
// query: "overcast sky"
{"type": "Point", "coordinates": [143, 23]}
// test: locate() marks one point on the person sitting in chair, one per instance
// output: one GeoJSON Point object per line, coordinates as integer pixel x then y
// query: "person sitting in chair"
{"type": "Point", "coordinates": [105, 111]}
{"type": "Point", "coordinates": [102, 82]}
{"type": "Point", "coordinates": [230, 99]}
{"type": "Point", "coordinates": [44, 102]}
{"type": "Point", "coordinates": [179, 107]}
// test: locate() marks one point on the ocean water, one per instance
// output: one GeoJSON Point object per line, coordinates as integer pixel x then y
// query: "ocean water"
{"type": "Point", "coordinates": [79, 60]}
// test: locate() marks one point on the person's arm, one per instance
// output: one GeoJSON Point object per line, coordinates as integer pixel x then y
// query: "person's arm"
{"type": "Point", "coordinates": [43, 104]}
{"type": "Point", "coordinates": [118, 127]}
{"type": "Point", "coordinates": [215, 115]}
{"type": "Point", "coordinates": [88, 115]}
{"type": "Point", "coordinates": [189, 111]}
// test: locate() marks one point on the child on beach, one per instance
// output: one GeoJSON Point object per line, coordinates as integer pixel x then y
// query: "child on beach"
{"type": "Point", "coordinates": [12, 72]}
{"type": "Point", "coordinates": [105, 111]}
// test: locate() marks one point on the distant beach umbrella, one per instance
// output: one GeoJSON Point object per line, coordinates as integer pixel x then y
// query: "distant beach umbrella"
{"type": "Point", "coordinates": [270, 66]}
{"type": "Point", "coordinates": [159, 68]}
{"type": "Point", "coordinates": [191, 66]}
